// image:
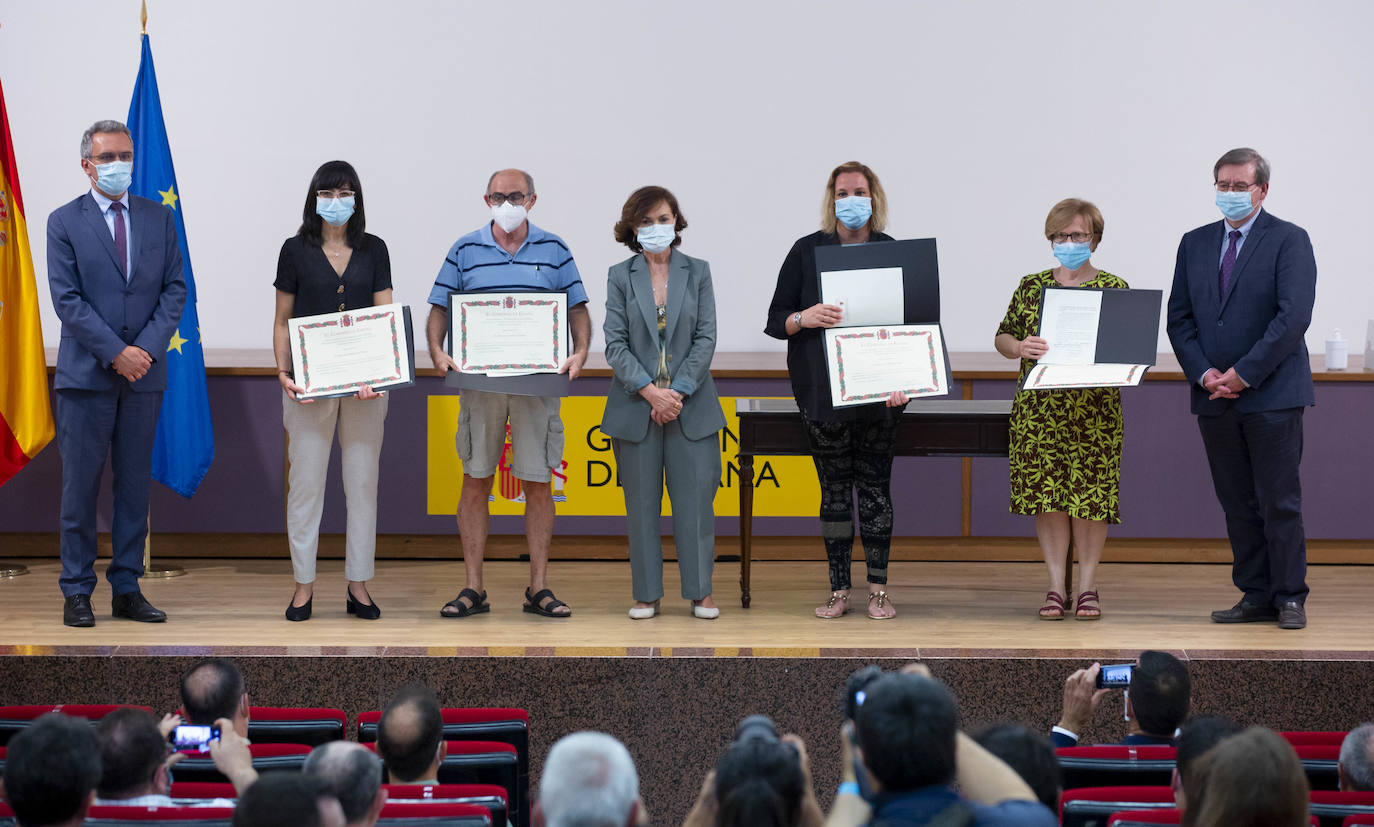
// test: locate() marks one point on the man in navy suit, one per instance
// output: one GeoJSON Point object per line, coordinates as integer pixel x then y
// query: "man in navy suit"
{"type": "Point", "coordinates": [1239, 309]}
{"type": "Point", "coordinates": [114, 269]}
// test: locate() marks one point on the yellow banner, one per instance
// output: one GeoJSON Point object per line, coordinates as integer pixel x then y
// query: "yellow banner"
{"type": "Point", "coordinates": [586, 482]}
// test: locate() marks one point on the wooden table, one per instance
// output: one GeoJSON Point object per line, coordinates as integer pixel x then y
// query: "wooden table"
{"type": "Point", "coordinates": [929, 428]}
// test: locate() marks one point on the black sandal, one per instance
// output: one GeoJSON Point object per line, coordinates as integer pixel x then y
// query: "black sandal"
{"type": "Point", "coordinates": [533, 606]}
{"type": "Point", "coordinates": [478, 604]}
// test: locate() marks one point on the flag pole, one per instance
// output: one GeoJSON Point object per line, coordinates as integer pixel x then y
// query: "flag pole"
{"type": "Point", "coordinates": [9, 571]}
{"type": "Point", "coordinates": [149, 571]}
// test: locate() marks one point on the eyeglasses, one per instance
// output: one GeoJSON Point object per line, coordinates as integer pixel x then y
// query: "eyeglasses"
{"type": "Point", "coordinates": [1234, 186]}
{"type": "Point", "coordinates": [327, 194]}
{"type": "Point", "coordinates": [1076, 238]}
{"type": "Point", "coordinates": [110, 157]}
{"type": "Point", "coordinates": [496, 199]}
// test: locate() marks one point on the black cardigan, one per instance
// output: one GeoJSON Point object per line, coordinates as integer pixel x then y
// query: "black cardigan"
{"type": "Point", "coordinates": [799, 288]}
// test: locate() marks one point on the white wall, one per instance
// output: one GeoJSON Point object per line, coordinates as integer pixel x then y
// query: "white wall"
{"type": "Point", "coordinates": [977, 115]}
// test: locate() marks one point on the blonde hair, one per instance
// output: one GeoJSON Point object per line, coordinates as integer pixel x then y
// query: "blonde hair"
{"type": "Point", "coordinates": [1253, 779]}
{"type": "Point", "coordinates": [1062, 215]}
{"type": "Point", "coordinates": [878, 221]}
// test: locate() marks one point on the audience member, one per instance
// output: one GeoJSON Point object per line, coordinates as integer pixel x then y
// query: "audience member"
{"type": "Point", "coordinates": [1197, 737]}
{"type": "Point", "coordinates": [760, 780]}
{"type": "Point", "coordinates": [214, 689]}
{"type": "Point", "coordinates": [353, 775]}
{"type": "Point", "coordinates": [912, 752]}
{"type": "Point", "coordinates": [1156, 703]}
{"type": "Point", "coordinates": [288, 799]}
{"type": "Point", "coordinates": [589, 780]}
{"type": "Point", "coordinates": [1356, 765]}
{"type": "Point", "coordinates": [137, 761]}
{"type": "Point", "coordinates": [1031, 755]}
{"type": "Point", "coordinates": [51, 772]}
{"type": "Point", "coordinates": [410, 736]}
{"type": "Point", "coordinates": [1253, 779]}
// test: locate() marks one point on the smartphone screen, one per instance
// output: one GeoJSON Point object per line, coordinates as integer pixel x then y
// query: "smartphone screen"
{"type": "Point", "coordinates": [1115, 677]}
{"type": "Point", "coordinates": [193, 738]}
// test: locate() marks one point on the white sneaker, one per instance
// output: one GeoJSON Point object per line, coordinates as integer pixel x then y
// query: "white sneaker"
{"type": "Point", "coordinates": [643, 612]}
{"type": "Point", "coordinates": [705, 613]}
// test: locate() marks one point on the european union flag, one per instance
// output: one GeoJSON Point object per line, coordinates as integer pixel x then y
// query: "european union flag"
{"type": "Point", "coordinates": [185, 439]}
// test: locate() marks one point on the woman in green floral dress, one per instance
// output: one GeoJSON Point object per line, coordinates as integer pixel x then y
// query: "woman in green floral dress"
{"type": "Point", "coordinates": [1065, 444]}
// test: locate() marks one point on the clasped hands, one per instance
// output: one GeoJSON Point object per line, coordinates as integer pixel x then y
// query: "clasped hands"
{"type": "Point", "coordinates": [664, 404]}
{"type": "Point", "coordinates": [1222, 385]}
{"type": "Point", "coordinates": [132, 363]}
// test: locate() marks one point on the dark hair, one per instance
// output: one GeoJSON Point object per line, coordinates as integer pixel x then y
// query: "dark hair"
{"type": "Point", "coordinates": [131, 750]}
{"type": "Point", "coordinates": [1198, 736]}
{"type": "Point", "coordinates": [1253, 779]}
{"type": "Point", "coordinates": [1160, 690]}
{"type": "Point", "coordinates": [330, 176]}
{"type": "Point", "coordinates": [281, 799]}
{"type": "Point", "coordinates": [210, 691]}
{"type": "Point", "coordinates": [349, 772]}
{"type": "Point", "coordinates": [1243, 155]}
{"type": "Point", "coordinates": [50, 770]}
{"type": "Point", "coordinates": [906, 729]}
{"type": "Point", "coordinates": [637, 206]}
{"type": "Point", "coordinates": [1031, 755]}
{"type": "Point", "coordinates": [759, 782]}
{"type": "Point", "coordinates": [408, 745]}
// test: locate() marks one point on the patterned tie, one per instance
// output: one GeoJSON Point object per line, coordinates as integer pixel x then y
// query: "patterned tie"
{"type": "Point", "coordinates": [122, 242]}
{"type": "Point", "coordinates": [1228, 262]}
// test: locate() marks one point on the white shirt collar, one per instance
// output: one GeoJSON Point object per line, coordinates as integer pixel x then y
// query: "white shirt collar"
{"type": "Point", "coordinates": [103, 201]}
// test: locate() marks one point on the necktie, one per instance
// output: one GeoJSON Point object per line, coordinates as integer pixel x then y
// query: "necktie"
{"type": "Point", "coordinates": [1228, 262]}
{"type": "Point", "coordinates": [122, 242]}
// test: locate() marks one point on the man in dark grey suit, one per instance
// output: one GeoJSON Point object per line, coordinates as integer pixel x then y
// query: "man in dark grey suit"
{"type": "Point", "coordinates": [1240, 306]}
{"type": "Point", "coordinates": [114, 269]}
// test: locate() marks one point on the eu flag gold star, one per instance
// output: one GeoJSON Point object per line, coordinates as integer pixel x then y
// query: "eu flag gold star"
{"type": "Point", "coordinates": [169, 197]}
{"type": "Point", "coordinates": [176, 342]}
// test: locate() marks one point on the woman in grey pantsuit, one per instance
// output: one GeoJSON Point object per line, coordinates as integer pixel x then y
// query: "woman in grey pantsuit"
{"type": "Point", "coordinates": [662, 414]}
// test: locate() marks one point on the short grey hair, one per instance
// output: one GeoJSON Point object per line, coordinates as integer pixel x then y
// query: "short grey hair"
{"type": "Point", "coordinates": [350, 772]}
{"type": "Point", "coordinates": [589, 781]}
{"type": "Point", "coordinates": [1355, 757]}
{"type": "Point", "coordinates": [1244, 155]}
{"type": "Point", "coordinates": [100, 126]}
{"type": "Point", "coordinates": [529, 179]}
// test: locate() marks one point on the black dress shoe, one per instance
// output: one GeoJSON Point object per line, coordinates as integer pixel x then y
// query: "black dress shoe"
{"type": "Point", "coordinates": [1246, 612]}
{"type": "Point", "coordinates": [134, 606]}
{"type": "Point", "coordinates": [298, 613]}
{"type": "Point", "coordinates": [1292, 615]}
{"type": "Point", "coordinates": [364, 611]}
{"type": "Point", "coordinates": [77, 611]}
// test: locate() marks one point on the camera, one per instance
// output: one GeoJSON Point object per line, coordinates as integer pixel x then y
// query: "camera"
{"type": "Point", "coordinates": [193, 738]}
{"type": "Point", "coordinates": [855, 690]}
{"type": "Point", "coordinates": [1115, 677]}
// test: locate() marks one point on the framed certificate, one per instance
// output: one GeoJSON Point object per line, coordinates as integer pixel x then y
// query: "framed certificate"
{"type": "Point", "coordinates": [867, 364]}
{"type": "Point", "coordinates": [508, 334]}
{"type": "Point", "coordinates": [335, 354]}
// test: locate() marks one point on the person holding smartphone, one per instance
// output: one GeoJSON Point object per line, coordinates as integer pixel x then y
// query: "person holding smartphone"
{"type": "Point", "coordinates": [1157, 699]}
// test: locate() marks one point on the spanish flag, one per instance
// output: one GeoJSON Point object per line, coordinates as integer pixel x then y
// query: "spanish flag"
{"type": "Point", "coordinates": [25, 416]}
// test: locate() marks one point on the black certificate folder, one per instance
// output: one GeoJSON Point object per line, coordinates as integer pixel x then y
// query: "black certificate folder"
{"type": "Point", "coordinates": [920, 271]}
{"type": "Point", "coordinates": [1097, 337]}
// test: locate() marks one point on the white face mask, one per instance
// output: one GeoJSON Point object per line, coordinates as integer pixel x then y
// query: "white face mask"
{"type": "Point", "coordinates": [508, 216]}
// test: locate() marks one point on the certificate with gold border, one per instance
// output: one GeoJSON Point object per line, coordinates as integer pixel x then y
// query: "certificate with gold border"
{"type": "Point", "coordinates": [509, 334]}
{"type": "Point", "coordinates": [868, 364]}
{"type": "Point", "coordinates": [336, 354]}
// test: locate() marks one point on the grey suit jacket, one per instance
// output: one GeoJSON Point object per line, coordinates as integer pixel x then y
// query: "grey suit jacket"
{"type": "Point", "coordinates": [631, 331]}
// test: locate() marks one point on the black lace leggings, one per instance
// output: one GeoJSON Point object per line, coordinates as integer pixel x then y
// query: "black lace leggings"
{"type": "Point", "coordinates": [852, 455]}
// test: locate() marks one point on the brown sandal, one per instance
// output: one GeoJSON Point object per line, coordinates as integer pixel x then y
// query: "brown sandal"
{"type": "Point", "coordinates": [1054, 606]}
{"type": "Point", "coordinates": [883, 599]}
{"type": "Point", "coordinates": [827, 612]}
{"type": "Point", "coordinates": [1091, 599]}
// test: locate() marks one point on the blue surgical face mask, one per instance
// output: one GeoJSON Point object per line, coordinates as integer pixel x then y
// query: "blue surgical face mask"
{"type": "Point", "coordinates": [656, 238]}
{"type": "Point", "coordinates": [336, 211]}
{"type": "Point", "coordinates": [1072, 255]}
{"type": "Point", "coordinates": [114, 178]}
{"type": "Point", "coordinates": [1234, 205]}
{"type": "Point", "coordinates": [854, 211]}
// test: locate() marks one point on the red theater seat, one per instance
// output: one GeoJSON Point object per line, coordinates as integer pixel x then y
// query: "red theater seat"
{"type": "Point", "coordinates": [201, 790]}
{"type": "Point", "coordinates": [1091, 806]}
{"type": "Point", "coordinates": [1319, 762]}
{"type": "Point", "coordinates": [1332, 807]}
{"type": "Point", "coordinates": [1130, 818]}
{"type": "Point", "coordinates": [1116, 765]}
{"type": "Point", "coordinates": [15, 718]}
{"type": "Point", "coordinates": [295, 725]}
{"type": "Point", "coordinates": [434, 814]}
{"type": "Point", "coordinates": [1305, 737]}
{"type": "Point", "coordinates": [117, 816]}
{"type": "Point", "coordinates": [491, 796]}
{"type": "Point", "coordinates": [266, 758]}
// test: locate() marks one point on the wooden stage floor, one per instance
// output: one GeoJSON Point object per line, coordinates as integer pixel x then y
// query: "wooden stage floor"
{"type": "Point", "coordinates": [946, 610]}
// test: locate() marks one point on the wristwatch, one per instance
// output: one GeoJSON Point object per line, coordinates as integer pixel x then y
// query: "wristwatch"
{"type": "Point", "coordinates": [796, 319]}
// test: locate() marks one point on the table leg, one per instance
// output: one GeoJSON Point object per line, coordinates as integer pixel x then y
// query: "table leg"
{"type": "Point", "coordinates": [746, 524]}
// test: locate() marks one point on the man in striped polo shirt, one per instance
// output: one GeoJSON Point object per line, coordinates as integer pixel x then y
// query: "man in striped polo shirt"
{"type": "Point", "coordinates": [509, 253]}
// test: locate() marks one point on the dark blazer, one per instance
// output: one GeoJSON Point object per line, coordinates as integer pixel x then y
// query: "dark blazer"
{"type": "Point", "coordinates": [631, 331]}
{"type": "Point", "coordinates": [799, 288]}
{"type": "Point", "coordinates": [100, 313]}
{"type": "Point", "coordinates": [1258, 326]}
